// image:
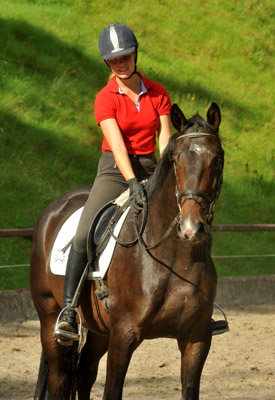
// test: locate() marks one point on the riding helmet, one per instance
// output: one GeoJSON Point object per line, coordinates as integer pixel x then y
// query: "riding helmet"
{"type": "Point", "coordinates": [116, 40]}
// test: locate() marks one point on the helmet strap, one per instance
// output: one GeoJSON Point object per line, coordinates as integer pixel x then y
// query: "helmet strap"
{"type": "Point", "coordinates": [107, 64]}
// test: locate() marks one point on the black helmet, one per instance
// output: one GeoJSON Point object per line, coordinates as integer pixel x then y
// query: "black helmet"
{"type": "Point", "coordinates": [115, 41]}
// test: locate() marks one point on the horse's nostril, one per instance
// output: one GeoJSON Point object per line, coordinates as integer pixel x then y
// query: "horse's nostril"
{"type": "Point", "coordinates": [201, 229]}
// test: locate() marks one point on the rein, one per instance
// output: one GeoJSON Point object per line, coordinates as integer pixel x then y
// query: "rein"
{"type": "Point", "coordinates": [162, 239]}
{"type": "Point", "coordinates": [140, 232]}
{"type": "Point", "coordinates": [144, 221]}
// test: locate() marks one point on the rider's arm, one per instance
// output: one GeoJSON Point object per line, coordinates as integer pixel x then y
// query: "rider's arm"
{"type": "Point", "coordinates": [165, 132]}
{"type": "Point", "coordinates": [114, 137]}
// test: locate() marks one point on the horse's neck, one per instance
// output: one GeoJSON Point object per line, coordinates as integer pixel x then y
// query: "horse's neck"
{"type": "Point", "coordinates": [163, 204]}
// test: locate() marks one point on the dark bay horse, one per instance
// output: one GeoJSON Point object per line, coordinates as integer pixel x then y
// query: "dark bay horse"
{"type": "Point", "coordinates": [157, 288]}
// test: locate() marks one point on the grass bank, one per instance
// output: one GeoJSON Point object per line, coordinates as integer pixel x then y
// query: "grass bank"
{"type": "Point", "coordinates": [50, 72]}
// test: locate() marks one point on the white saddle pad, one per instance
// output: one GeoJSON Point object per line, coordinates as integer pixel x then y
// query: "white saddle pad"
{"type": "Point", "coordinates": [59, 257]}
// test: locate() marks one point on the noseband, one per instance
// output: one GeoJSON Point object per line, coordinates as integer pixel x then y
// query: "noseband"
{"type": "Point", "coordinates": [196, 194]}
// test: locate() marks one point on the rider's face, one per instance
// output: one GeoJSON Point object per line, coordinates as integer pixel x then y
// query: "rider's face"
{"type": "Point", "coordinates": [123, 66]}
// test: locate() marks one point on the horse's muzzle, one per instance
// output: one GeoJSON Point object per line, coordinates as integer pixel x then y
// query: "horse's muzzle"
{"type": "Point", "coordinates": [192, 231]}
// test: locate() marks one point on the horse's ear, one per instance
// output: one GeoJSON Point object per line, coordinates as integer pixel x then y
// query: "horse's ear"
{"type": "Point", "coordinates": [177, 117]}
{"type": "Point", "coordinates": [214, 116]}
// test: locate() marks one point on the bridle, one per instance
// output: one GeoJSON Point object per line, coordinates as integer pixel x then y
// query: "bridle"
{"type": "Point", "coordinates": [196, 194]}
{"type": "Point", "coordinates": [189, 194]}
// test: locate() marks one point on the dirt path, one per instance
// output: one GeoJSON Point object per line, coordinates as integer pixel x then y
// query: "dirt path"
{"type": "Point", "coordinates": [240, 365]}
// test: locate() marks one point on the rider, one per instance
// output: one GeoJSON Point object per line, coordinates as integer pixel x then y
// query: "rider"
{"type": "Point", "coordinates": [130, 110]}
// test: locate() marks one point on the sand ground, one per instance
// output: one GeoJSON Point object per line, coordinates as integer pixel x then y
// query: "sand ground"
{"type": "Point", "coordinates": [240, 365]}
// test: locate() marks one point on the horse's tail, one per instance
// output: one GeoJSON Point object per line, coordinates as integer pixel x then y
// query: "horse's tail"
{"type": "Point", "coordinates": [41, 385]}
{"type": "Point", "coordinates": [71, 358]}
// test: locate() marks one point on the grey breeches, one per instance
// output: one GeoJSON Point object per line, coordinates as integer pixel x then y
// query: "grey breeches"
{"type": "Point", "coordinates": [109, 184]}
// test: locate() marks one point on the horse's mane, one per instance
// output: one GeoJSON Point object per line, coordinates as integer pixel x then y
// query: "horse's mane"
{"type": "Point", "coordinates": [196, 123]}
{"type": "Point", "coordinates": [162, 168]}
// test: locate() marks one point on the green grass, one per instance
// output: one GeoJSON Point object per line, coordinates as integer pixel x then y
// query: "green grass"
{"type": "Point", "coordinates": [50, 72]}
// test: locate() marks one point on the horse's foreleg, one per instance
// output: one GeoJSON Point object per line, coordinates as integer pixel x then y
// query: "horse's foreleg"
{"type": "Point", "coordinates": [121, 347]}
{"type": "Point", "coordinates": [193, 356]}
{"type": "Point", "coordinates": [61, 360]}
{"type": "Point", "coordinates": [95, 347]}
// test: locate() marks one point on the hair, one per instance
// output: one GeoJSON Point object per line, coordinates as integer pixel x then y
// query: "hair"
{"type": "Point", "coordinates": [111, 76]}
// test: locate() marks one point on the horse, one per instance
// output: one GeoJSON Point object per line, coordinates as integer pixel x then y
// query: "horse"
{"type": "Point", "coordinates": [163, 286]}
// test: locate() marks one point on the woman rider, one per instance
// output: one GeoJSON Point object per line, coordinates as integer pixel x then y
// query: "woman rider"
{"type": "Point", "coordinates": [130, 110]}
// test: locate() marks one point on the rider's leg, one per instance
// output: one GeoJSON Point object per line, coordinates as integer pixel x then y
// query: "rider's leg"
{"type": "Point", "coordinates": [74, 270]}
{"type": "Point", "coordinates": [107, 186]}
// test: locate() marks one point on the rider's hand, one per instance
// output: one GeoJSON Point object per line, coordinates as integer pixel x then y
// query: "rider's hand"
{"type": "Point", "coordinates": [137, 195]}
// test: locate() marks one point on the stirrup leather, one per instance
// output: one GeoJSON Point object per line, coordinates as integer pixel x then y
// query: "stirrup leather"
{"type": "Point", "coordinates": [66, 335]}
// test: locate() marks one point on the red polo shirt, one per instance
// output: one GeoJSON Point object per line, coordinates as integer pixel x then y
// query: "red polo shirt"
{"type": "Point", "coordinates": [138, 127]}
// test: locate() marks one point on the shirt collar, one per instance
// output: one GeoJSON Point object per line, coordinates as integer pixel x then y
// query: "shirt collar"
{"type": "Point", "coordinates": [142, 91]}
{"type": "Point", "coordinates": [145, 84]}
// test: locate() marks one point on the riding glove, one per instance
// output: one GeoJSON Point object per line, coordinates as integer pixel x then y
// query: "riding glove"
{"type": "Point", "coordinates": [137, 195]}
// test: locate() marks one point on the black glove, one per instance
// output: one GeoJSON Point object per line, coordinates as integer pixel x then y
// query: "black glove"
{"type": "Point", "coordinates": [137, 195]}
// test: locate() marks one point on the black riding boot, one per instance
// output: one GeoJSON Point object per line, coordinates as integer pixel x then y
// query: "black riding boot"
{"type": "Point", "coordinates": [67, 322]}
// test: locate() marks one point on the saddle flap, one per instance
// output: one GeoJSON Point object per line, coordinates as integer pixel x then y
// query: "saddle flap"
{"type": "Point", "coordinates": [99, 235]}
{"type": "Point", "coordinates": [102, 223]}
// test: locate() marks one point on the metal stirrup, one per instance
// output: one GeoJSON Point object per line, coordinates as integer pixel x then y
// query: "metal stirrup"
{"type": "Point", "coordinates": [221, 310]}
{"type": "Point", "coordinates": [66, 334]}
{"type": "Point", "coordinates": [226, 328]}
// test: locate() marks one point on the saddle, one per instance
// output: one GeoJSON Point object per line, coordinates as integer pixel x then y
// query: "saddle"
{"type": "Point", "coordinates": [101, 230]}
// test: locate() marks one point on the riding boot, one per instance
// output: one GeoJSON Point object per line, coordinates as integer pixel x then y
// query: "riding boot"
{"type": "Point", "coordinates": [67, 321]}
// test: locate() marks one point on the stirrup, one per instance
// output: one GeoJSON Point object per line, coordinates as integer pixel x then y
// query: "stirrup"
{"type": "Point", "coordinates": [226, 328]}
{"type": "Point", "coordinates": [66, 335]}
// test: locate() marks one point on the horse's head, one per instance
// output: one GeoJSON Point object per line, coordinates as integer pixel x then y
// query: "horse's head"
{"type": "Point", "coordinates": [198, 163]}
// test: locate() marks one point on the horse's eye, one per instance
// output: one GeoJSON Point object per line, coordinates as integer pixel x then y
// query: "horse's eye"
{"type": "Point", "coordinates": [216, 162]}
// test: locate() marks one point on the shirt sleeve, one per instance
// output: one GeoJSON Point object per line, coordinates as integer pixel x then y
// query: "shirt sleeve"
{"type": "Point", "coordinates": [104, 107]}
{"type": "Point", "coordinates": [164, 104]}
